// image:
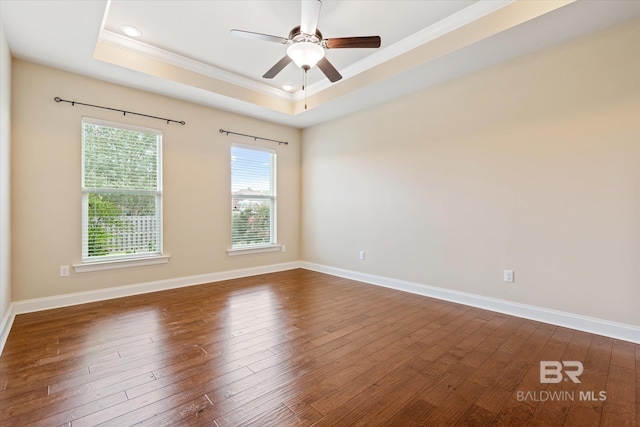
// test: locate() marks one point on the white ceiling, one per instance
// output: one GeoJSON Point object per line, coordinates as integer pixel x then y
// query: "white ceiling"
{"type": "Point", "coordinates": [423, 43]}
{"type": "Point", "coordinates": [200, 30]}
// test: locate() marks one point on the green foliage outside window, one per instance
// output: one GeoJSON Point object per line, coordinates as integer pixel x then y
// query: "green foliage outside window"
{"type": "Point", "coordinates": [121, 181]}
{"type": "Point", "coordinates": [103, 215]}
{"type": "Point", "coordinates": [252, 224]}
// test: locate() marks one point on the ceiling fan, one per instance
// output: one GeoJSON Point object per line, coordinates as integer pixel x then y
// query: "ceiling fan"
{"type": "Point", "coordinates": [307, 46]}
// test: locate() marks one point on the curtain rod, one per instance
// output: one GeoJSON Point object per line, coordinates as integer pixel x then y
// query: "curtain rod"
{"type": "Point", "coordinates": [73, 103]}
{"type": "Point", "coordinates": [253, 136]}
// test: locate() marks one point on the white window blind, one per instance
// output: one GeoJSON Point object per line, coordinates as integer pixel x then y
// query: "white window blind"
{"type": "Point", "coordinates": [121, 191]}
{"type": "Point", "coordinates": [253, 197]}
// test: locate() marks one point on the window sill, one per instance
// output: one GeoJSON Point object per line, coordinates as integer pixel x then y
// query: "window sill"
{"type": "Point", "coordinates": [254, 250]}
{"type": "Point", "coordinates": [120, 263]}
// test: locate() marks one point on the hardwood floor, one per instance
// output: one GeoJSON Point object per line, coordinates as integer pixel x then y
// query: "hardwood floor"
{"type": "Point", "coordinates": [304, 348]}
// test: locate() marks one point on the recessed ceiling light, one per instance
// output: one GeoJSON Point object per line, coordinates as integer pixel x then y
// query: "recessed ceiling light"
{"type": "Point", "coordinates": [288, 87]}
{"type": "Point", "coordinates": [130, 31]}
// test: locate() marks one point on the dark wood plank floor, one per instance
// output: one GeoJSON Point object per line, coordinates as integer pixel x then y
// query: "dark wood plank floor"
{"type": "Point", "coordinates": [304, 348]}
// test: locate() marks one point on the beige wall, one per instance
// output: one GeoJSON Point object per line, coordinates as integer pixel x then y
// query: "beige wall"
{"type": "Point", "coordinates": [531, 165]}
{"type": "Point", "coordinates": [46, 179]}
{"type": "Point", "coordinates": [5, 176]}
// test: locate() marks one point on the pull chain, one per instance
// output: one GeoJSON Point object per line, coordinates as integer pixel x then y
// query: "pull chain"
{"type": "Point", "coordinates": [304, 88]}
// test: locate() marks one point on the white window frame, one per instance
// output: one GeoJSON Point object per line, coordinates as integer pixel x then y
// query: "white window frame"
{"type": "Point", "coordinates": [127, 260]}
{"type": "Point", "coordinates": [273, 198]}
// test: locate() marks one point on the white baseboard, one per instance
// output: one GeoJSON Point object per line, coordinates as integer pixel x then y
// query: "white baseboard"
{"type": "Point", "coordinates": [574, 321]}
{"type": "Point", "coordinates": [5, 326]}
{"type": "Point", "coordinates": [48, 303]}
{"type": "Point", "coordinates": [568, 320]}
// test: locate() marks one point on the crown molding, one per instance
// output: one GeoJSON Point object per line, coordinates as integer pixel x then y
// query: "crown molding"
{"type": "Point", "coordinates": [440, 28]}
{"type": "Point", "coordinates": [141, 48]}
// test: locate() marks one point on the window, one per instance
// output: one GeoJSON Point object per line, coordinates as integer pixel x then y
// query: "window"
{"type": "Point", "coordinates": [121, 191]}
{"type": "Point", "coordinates": [253, 197]}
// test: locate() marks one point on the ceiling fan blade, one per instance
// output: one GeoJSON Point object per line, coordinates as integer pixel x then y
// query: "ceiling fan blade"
{"type": "Point", "coordinates": [329, 70]}
{"type": "Point", "coordinates": [273, 71]}
{"type": "Point", "coordinates": [310, 14]}
{"type": "Point", "coordinates": [258, 36]}
{"type": "Point", "coordinates": [352, 42]}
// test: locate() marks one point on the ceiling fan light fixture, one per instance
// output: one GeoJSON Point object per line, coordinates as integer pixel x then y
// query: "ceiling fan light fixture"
{"type": "Point", "coordinates": [305, 54]}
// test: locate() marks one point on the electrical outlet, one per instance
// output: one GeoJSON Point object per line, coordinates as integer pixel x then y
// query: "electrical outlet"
{"type": "Point", "coordinates": [508, 276]}
{"type": "Point", "coordinates": [362, 255]}
{"type": "Point", "coordinates": [64, 270]}
{"type": "Point", "coordinates": [283, 248]}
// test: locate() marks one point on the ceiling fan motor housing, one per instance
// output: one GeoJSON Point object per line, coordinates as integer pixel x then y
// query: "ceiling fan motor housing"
{"type": "Point", "coordinates": [296, 36]}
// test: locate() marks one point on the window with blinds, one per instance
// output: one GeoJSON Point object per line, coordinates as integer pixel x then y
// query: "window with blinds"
{"type": "Point", "coordinates": [121, 191]}
{"type": "Point", "coordinates": [253, 197]}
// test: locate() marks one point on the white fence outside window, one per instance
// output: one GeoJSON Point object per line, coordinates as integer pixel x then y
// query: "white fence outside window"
{"type": "Point", "coordinates": [133, 234]}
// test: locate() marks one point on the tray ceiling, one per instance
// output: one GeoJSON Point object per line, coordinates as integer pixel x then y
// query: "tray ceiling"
{"type": "Point", "coordinates": [186, 51]}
